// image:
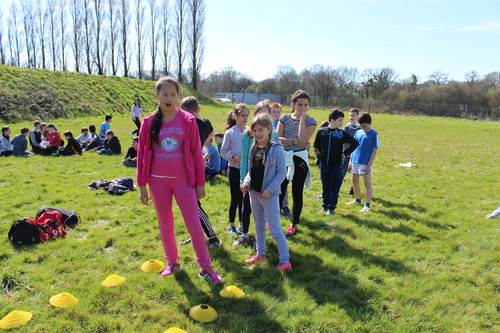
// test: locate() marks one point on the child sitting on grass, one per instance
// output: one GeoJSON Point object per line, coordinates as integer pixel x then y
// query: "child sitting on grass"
{"type": "Point", "coordinates": [72, 147]}
{"type": "Point", "coordinates": [20, 144]}
{"type": "Point", "coordinates": [112, 145]}
{"type": "Point", "coordinates": [130, 159]}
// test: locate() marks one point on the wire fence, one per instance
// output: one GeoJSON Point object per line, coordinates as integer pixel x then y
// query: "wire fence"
{"type": "Point", "coordinates": [441, 110]}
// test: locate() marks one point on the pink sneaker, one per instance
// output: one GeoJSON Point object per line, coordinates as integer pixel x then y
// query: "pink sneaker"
{"type": "Point", "coordinates": [291, 230]}
{"type": "Point", "coordinates": [284, 267]}
{"type": "Point", "coordinates": [209, 274]}
{"type": "Point", "coordinates": [170, 268]}
{"type": "Point", "coordinates": [255, 259]}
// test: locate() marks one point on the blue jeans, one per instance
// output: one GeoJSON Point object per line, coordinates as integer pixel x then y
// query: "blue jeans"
{"type": "Point", "coordinates": [331, 177]}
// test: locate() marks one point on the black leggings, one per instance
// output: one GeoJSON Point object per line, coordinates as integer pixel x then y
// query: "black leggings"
{"type": "Point", "coordinates": [205, 222]}
{"type": "Point", "coordinates": [298, 181]}
{"type": "Point", "coordinates": [236, 194]}
{"type": "Point", "coordinates": [137, 122]}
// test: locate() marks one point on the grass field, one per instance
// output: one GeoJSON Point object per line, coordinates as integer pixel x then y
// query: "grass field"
{"type": "Point", "coordinates": [423, 260]}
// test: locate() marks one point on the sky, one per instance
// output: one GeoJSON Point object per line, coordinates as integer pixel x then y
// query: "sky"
{"type": "Point", "coordinates": [411, 36]}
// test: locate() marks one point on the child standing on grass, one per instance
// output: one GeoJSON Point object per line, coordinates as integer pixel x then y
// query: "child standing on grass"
{"type": "Point", "coordinates": [362, 160]}
{"type": "Point", "coordinates": [169, 160]}
{"type": "Point", "coordinates": [267, 169]}
{"type": "Point", "coordinates": [136, 112]}
{"type": "Point", "coordinates": [329, 144]}
{"type": "Point", "coordinates": [351, 128]}
{"type": "Point", "coordinates": [219, 137]}
{"type": "Point", "coordinates": [231, 151]}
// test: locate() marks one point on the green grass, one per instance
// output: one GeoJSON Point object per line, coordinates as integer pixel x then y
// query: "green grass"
{"type": "Point", "coordinates": [55, 94]}
{"type": "Point", "coordinates": [423, 260]}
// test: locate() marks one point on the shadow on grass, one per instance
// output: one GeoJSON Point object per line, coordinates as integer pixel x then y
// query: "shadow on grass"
{"type": "Point", "coordinates": [391, 204]}
{"type": "Point", "coordinates": [235, 315]}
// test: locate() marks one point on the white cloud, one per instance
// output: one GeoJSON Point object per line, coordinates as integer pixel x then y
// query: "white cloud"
{"type": "Point", "coordinates": [490, 26]}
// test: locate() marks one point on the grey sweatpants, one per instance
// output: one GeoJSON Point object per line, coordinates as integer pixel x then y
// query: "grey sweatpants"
{"type": "Point", "coordinates": [270, 209]}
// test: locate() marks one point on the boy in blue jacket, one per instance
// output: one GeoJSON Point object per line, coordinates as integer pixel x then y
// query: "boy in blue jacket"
{"type": "Point", "coordinates": [329, 147]}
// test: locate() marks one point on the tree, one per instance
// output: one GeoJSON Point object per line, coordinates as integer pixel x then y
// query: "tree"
{"type": "Point", "coordinates": [87, 26]}
{"type": "Point", "coordinates": [62, 32]}
{"type": "Point", "coordinates": [29, 32]}
{"type": "Point", "coordinates": [76, 15]}
{"type": "Point", "coordinates": [288, 81]}
{"type": "Point", "coordinates": [2, 51]}
{"type": "Point", "coordinates": [346, 80]}
{"type": "Point", "coordinates": [165, 34]}
{"type": "Point", "coordinates": [438, 78]}
{"type": "Point", "coordinates": [99, 18]}
{"type": "Point", "coordinates": [154, 35]}
{"type": "Point", "coordinates": [14, 40]}
{"type": "Point", "coordinates": [139, 31]}
{"type": "Point", "coordinates": [114, 19]}
{"type": "Point", "coordinates": [41, 16]}
{"type": "Point", "coordinates": [124, 17]}
{"type": "Point", "coordinates": [196, 43]}
{"type": "Point", "coordinates": [383, 79]}
{"type": "Point", "coordinates": [178, 35]}
{"type": "Point", "coordinates": [492, 80]}
{"type": "Point", "coordinates": [51, 14]}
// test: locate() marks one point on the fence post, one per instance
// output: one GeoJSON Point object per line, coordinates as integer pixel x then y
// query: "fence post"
{"type": "Point", "coordinates": [430, 109]}
{"type": "Point", "coordinates": [465, 113]}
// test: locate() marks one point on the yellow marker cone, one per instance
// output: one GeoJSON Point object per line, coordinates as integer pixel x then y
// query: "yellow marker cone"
{"type": "Point", "coordinates": [152, 266]}
{"type": "Point", "coordinates": [15, 318]}
{"type": "Point", "coordinates": [63, 300]}
{"type": "Point", "coordinates": [232, 291]}
{"type": "Point", "coordinates": [175, 330]}
{"type": "Point", "coordinates": [204, 313]}
{"type": "Point", "coordinates": [113, 280]}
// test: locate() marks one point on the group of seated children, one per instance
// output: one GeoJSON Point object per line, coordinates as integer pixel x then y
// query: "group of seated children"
{"type": "Point", "coordinates": [46, 140]}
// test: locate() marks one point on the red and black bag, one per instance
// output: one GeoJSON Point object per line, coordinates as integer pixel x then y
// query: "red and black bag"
{"type": "Point", "coordinates": [47, 226]}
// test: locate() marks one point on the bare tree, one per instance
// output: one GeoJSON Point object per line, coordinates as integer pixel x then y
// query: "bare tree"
{"type": "Point", "coordinates": [14, 40]}
{"type": "Point", "coordinates": [196, 43]}
{"type": "Point", "coordinates": [124, 17]}
{"type": "Point", "coordinates": [139, 31]}
{"type": "Point", "coordinates": [88, 26]}
{"type": "Point", "coordinates": [165, 34]}
{"type": "Point", "coordinates": [346, 80]}
{"type": "Point", "coordinates": [76, 14]}
{"type": "Point", "coordinates": [114, 18]}
{"type": "Point", "coordinates": [383, 79]}
{"type": "Point", "coordinates": [178, 35]}
{"type": "Point", "coordinates": [29, 32]}
{"type": "Point", "coordinates": [154, 36]}
{"type": "Point", "coordinates": [288, 81]}
{"type": "Point", "coordinates": [41, 18]}
{"type": "Point", "coordinates": [61, 13]}
{"type": "Point", "coordinates": [51, 14]}
{"type": "Point", "coordinates": [99, 18]}
{"type": "Point", "coordinates": [438, 78]}
{"type": "Point", "coordinates": [2, 51]}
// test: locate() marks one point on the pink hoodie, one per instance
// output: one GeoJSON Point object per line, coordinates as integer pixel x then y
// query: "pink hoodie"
{"type": "Point", "coordinates": [192, 151]}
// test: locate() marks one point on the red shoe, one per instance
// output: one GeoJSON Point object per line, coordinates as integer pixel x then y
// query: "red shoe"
{"type": "Point", "coordinates": [255, 259]}
{"type": "Point", "coordinates": [291, 231]}
{"type": "Point", "coordinates": [284, 267]}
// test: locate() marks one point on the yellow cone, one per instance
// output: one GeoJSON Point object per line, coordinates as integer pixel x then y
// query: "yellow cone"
{"type": "Point", "coordinates": [15, 318]}
{"type": "Point", "coordinates": [63, 300]}
{"type": "Point", "coordinates": [204, 313]}
{"type": "Point", "coordinates": [113, 280]}
{"type": "Point", "coordinates": [175, 330]}
{"type": "Point", "coordinates": [232, 291]}
{"type": "Point", "coordinates": [152, 266]}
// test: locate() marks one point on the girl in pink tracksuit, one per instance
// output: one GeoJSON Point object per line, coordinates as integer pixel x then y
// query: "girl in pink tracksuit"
{"type": "Point", "coordinates": [169, 159]}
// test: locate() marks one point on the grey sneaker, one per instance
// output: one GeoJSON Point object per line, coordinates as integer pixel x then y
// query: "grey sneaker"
{"type": "Point", "coordinates": [242, 240]}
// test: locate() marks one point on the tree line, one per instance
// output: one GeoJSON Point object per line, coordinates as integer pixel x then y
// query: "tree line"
{"type": "Point", "coordinates": [106, 37]}
{"type": "Point", "coordinates": [382, 88]}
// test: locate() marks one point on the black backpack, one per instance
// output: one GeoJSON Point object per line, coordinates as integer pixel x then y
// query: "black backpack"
{"type": "Point", "coordinates": [69, 217]}
{"type": "Point", "coordinates": [48, 226]}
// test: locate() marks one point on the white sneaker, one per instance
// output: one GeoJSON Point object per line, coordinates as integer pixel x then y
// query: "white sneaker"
{"type": "Point", "coordinates": [330, 212]}
{"type": "Point", "coordinates": [365, 209]}
{"type": "Point", "coordinates": [354, 202]}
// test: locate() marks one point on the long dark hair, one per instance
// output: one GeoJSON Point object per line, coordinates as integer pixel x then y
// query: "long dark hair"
{"type": "Point", "coordinates": [156, 126]}
{"type": "Point", "coordinates": [299, 94]}
{"type": "Point", "coordinates": [238, 108]}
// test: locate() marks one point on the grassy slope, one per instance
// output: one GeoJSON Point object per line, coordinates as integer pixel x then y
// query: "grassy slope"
{"type": "Point", "coordinates": [71, 94]}
{"type": "Point", "coordinates": [424, 260]}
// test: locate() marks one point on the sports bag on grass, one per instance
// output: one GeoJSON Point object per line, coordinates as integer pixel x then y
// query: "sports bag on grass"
{"type": "Point", "coordinates": [47, 226]}
{"type": "Point", "coordinates": [69, 217]}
